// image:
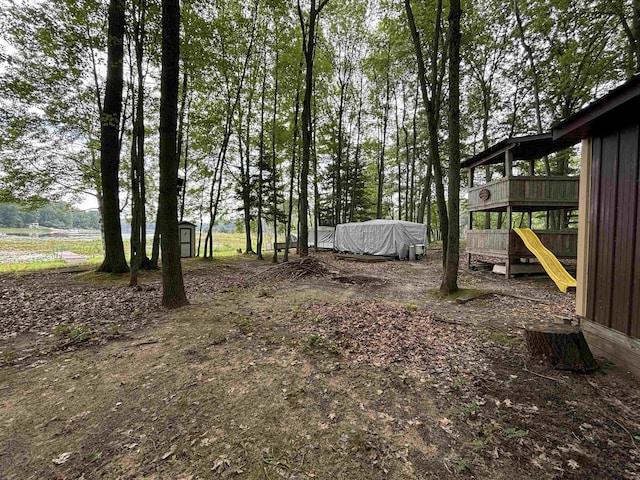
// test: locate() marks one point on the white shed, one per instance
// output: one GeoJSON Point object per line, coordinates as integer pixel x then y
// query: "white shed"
{"type": "Point", "coordinates": [187, 234]}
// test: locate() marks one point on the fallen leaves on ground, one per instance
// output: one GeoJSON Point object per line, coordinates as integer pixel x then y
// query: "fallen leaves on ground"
{"type": "Point", "coordinates": [477, 391]}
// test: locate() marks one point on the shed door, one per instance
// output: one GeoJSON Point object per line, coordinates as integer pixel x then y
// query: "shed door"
{"type": "Point", "coordinates": [185, 242]}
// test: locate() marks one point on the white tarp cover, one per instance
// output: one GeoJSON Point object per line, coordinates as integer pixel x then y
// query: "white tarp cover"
{"type": "Point", "coordinates": [379, 237]}
{"type": "Point", "coordinates": [325, 237]}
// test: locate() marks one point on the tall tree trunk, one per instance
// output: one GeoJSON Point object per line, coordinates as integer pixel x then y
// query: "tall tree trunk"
{"type": "Point", "coordinates": [316, 179]}
{"type": "Point", "coordinates": [201, 218]}
{"type": "Point", "coordinates": [414, 156]}
{"type": "Point", "coordinates": [135, 195]}
{"type": "Point", "coordinates": [155, 246]}
{"type": "Point", "coordinates": [355, 196]}
{"type": "Point", "coordinates": [408, 183]}
{"type": "Point", "coordinates": [450, 277]}
{"type": "Point", "coordinates": [217, 173]}
{"type": "Point", "coordinates": [274, 163]}
{"type": "Point", "coordinates": [292, 169]}
{"type": "Point", "coordinates": [425, 198]}
{"type": "Point", "coordinates": [138, 220]}
{"type": "Point", "coordinates": [261, 162]}
{"type": "Point", "coordinates": [486, 112]}
{"type": "Point", "coordinates": [245, 175]}
{"type": "Point", "coordinates": [244, 185]}
{"type": "Point", "coordinates": [338, 173]}
{"type": "Point", "coordinates": [114, 258]}
{"type": "Point", "coordinates": [432, 105]}
{"type": "Point", "coordinates": [173, 292]}
{"type": "Point", "coordinates": [308, 49]}
{"type": "Point", "coordinates": [385, 122]}
{"type": "Point", "coordinates": [232, 106]}
{"type": "Point", "coordinates": [181, 158]}
{"type": "Point", "coordinates": [398, 163]}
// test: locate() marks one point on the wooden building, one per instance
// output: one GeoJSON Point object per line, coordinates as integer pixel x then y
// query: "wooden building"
{"type": "Point", "coordinates": [510, 194]}
{"type": "Point", "coordinates": [608, 267]}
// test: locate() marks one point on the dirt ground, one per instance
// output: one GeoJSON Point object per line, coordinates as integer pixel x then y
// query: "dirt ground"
{"type": "Point", "coordinates": [322, 370]}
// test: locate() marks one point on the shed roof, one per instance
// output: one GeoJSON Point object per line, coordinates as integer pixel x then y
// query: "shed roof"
{"type": "Point", "coordinates": [618, 107]}
{"type": "Point", "coordinates": [528, 147]}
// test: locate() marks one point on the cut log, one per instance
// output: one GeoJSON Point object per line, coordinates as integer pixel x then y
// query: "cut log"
{"type": "Point", "coordinates": [564, 345]}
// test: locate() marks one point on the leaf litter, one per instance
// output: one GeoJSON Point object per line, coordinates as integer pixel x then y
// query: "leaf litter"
{"type": "Point", "coordinates": [403, 383]}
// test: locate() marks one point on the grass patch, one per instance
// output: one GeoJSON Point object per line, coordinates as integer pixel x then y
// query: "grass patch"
{"type": "Point", "coordinates": [225, 245]}
{"type": "Point", "coordinates": [462, 465]}
{"type": "Point", "coordinates": [513, 432]}
{"type": "Point", "coordinates": [244, 324]}
{"type": "Point", "coordinates": [501, 338]}
{"type": "Point", "coordinates": [28, 266]}
{"type": "Point", "coordinates": [8, 355]}
{"type": "Point", "coordinates": [321, 344]}
{"type": "Point", "coordinates": [92, 457]}
{"type": "Point", "coordinates": [459, 382]}
{"type": "Point", "coordinates": [412, 307]}
{"type": "Point", "coordinates": [74, 334]}
{"type": "Point", "coordinates": [86, 247]}
{"type": "Point", "coordinates": [480, 444]}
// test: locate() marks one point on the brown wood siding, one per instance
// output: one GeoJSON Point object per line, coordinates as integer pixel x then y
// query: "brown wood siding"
{"type": "Point", "coordinates": [487, 242]}
{"type": "Point", "coordinates": [499, 193]}
{"type": "Point", "coordinates": [596, 160]}
{"type": "Point", "coordinates": [526, 193]}
{"type": "Point", "coordinates": [607, 177]}
{"type": "Point", "coordinates": [563, 243]}
{"type": "Point", "coordinates": [635, 287]}
{"type": "Point", "coordinates": [625, 230]}
{"type": "Point", "coordinates": [614, 263]}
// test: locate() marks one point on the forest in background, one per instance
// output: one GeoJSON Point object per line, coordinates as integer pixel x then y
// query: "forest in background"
{"type": "Point", "coordinates": [54, 215]}
{"type": "Point", "coordinates": [380, 98]}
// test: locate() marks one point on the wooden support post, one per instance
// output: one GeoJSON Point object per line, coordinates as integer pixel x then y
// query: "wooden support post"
{"type": "Point", "coordinates": [472, 172]}
{"type": "Point", "coordinates": [470, 228]}
{"type": "Point", "coordinates": [508, 172]}
{"type": "Point", "coordinates": [507, 270]}
{"type": "Point", "coordinates": [532, 168]}
{"type": "Point", "coordinates": [584, 227]}
{"type": "Point", "coordinates": [564, 345]}
{"type": "Point", "coordinates": [508, 164]}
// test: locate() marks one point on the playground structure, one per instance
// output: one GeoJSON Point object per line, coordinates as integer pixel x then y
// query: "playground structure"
{"type": "Point", "coordinates": [511, 195]}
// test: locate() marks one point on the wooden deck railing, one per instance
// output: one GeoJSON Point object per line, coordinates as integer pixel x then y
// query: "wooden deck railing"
{"type": "Point", "coordinates": [493, 243]}
{"type": "Point", "coordinates": [525, 192]}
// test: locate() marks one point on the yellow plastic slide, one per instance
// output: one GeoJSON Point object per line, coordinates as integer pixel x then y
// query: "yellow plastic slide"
{"type": "Point", "coordinates": [548, 260]}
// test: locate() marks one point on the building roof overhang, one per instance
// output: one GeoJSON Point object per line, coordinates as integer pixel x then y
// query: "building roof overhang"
{"type": "Point", "coordinates": [528, 147]}
{"type": "Point", "coordinates": [618, 107]}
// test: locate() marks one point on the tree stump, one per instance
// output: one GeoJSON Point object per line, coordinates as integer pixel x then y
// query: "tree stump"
{"type": "Point", "coordinates": [564, 345]}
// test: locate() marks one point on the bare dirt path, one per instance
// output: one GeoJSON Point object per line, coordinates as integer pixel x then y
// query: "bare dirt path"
{"type": "Point", "coordinates": [334, 370]}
